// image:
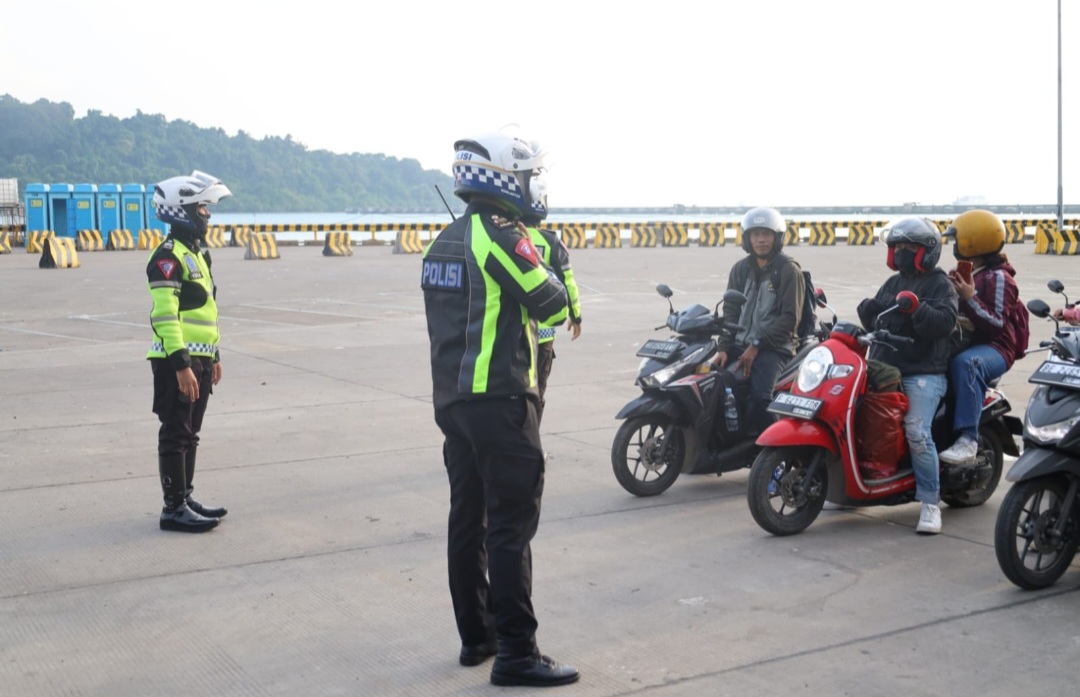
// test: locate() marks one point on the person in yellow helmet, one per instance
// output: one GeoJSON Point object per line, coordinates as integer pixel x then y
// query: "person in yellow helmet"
{"type": "Point", "coordinates": [994, 317]}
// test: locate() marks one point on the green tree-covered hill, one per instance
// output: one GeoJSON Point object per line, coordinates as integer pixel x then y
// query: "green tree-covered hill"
{"type": "Point", "coordinates": [44, 142]}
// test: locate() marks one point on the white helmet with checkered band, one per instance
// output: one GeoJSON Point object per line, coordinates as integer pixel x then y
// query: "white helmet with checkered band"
{"type": "Point", "coordinates": [500, 167]}
{"type": "Point", "coordinates": [177, 200]}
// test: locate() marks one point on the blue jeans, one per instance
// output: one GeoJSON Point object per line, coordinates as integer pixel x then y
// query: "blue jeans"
{"type": "Point", "coordinates": [924, 393]}
{"type": "Point", "coordinates": [969, 372]}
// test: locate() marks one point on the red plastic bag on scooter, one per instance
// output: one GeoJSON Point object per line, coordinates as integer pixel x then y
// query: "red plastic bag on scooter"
{"type": "Point", "coordinates": [880, 442]}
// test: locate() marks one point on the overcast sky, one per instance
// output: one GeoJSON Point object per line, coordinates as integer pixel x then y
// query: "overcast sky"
{"type": "Point", "coordinates": [709, 103]}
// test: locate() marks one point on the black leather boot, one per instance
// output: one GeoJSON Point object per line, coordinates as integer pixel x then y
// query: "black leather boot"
{"type": "Point", "coordinates": [189, 468]}
{"type": "Point", "coordinates": [176, 515]}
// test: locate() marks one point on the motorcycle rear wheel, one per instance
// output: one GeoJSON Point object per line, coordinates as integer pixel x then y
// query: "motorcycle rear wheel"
{"type": "Point", "coordinates": [636, 455]}
{"type": "Point", "coordinates": [990, 452]}
{"type": "Point", "coordinates": [1028, 552]}
{"type": "Point", "coordinates": [781, 500]}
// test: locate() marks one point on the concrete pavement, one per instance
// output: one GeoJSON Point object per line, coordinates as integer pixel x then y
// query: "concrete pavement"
{"type": "Point", "coordinates": [328, 575]}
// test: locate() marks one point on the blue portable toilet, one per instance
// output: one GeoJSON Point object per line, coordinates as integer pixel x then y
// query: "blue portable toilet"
{"type": "Point", "coordinates": [108, 210]}
{"type": "Point", "coordinates": [133, 205]}
{"type": "Point", "coordinates": [61, 210]}
{"type": "Point", "coordinates": [83, 195]}
{"type": "Point", "coordinates": [151, 215]}
{"type": "Point", "coordinates": [37, 207]}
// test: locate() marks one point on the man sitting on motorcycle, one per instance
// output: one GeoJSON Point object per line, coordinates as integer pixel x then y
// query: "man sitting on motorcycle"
{"type": "Point", "coordinates": [988, 299]}
{"type": "Point", "coordinates": [774, 288]}
{"type": "Point", "coordinates": [914, 249]}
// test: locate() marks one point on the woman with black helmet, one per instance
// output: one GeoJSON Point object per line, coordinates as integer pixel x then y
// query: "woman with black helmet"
{"type": "Point", "coordinates": [914, 250]}
{"type": "Point", "coordinates": [989, 302]}
{"type": "Point", "coordinates": [774, 288]}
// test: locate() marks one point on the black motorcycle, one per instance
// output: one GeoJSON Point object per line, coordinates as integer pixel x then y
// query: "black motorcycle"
{"type": "Point", "coordinates": [690, 417]}
{"type": "Point", "coordinates": [1038, 524]}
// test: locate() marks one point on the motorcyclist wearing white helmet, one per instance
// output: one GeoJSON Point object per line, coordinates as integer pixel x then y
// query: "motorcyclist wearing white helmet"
{"type": "Point", "coordinates": [184, 355]}
{"type": "Point", "coordinates": [774, 288]}
{"type": "Point", "coordinates": [484, 291]}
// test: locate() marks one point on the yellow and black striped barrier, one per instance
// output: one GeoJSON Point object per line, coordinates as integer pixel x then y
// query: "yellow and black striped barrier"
{"type": "Point", "coordinates": [861, 234]}
{"type": "Point", "coordinates": [676, 235]}
{"type": "Point", "coordinates": [58, 253]}
{"type": "Point", "coordinates": [607, 237]}
{"type": "Point", "coordinates": [712, 234]}
{"type": "Point", "coordinates": [1015, 231]}
{"type": "Point", "coordinates": [642, 235]}
{"type": "Point", "coordinates": [408, 242]}
{"type": "Point", "coordinates": [1067, 242]}
{"type": "Point", "coordinates": [5, 242]}
{"type": "Point", "coordinates": [573, 236]}
{"type": "Point", "coordinates": [261, 245]}
{"type": "Point", "coordinates": [35, 240]}
{"type": "Point", "coordinates": [791, 235]}
{"type": "Point", "coordinates": [337, 244]}
{"type": "Point", "coordinates": [89, 241]}
{"type": "Point", "coordinates": [149, 238]}
{"type": "Point", "coordinates": [120, 239]}
{"type": "Point", "coordinates": [822, 234]}
{"type": "Point", "coordinates": [241, 236]}
{"type": "Point", "coordinates": [215, 237]}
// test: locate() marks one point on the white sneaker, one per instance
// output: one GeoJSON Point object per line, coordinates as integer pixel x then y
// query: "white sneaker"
{"type": "Point", "coordinates": [929, 520]}
{"type": "Point", "coordinates": [962, 452]}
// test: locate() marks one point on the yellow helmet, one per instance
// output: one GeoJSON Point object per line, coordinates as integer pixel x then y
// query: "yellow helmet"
{"type": "Point", "coordinates": [977, 233]}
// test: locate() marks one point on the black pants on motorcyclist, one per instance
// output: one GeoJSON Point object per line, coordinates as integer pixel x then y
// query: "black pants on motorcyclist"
{"type": "Point", "coordinates": [763, 373]}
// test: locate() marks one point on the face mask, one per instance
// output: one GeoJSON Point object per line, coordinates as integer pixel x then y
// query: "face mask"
{"type": "Point", "coordinates": [905, 261]}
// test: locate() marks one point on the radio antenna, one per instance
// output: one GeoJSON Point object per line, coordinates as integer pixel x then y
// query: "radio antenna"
{"type": "Point", "coordinates": [445, 203]}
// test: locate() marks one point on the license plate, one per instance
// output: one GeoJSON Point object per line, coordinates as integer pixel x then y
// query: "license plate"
{"type": "Point", "coordinates": [655, 348]}
{"type": "Point", "coordinates": [1057, 373]}
{"type": "Point", "coordinates": [787, 404]}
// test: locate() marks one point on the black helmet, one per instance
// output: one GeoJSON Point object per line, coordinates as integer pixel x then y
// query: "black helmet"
{"type": "Point", "coordinates": [766, 219]}
{"type": "Point", "coordinates": [918, 231]}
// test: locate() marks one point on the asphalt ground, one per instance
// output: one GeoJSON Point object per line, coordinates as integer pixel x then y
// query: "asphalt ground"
{"type": "Point", "coordinates": [328, 577]}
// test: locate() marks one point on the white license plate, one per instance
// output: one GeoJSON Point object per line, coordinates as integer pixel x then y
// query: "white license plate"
{"type": "Point", "coordinates": [787, 404]}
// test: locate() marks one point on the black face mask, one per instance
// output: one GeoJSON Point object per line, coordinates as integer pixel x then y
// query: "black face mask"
{"type": "Point", "coordinates": [905, 261]}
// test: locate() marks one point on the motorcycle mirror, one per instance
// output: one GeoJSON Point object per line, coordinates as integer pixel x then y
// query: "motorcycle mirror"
{"type": "Point", "coordinates": [907, 302]}
{"type": "Point", "coordinates": [1055, 286]}
{"type": "Point", "coordinates": [1038, 308]}
{"type": "Point", "coordinates": [664, 291]}
{"type": "Point", "coordinates": [734, 297]}
{"type": "Point", "coordinates": [819, 298]}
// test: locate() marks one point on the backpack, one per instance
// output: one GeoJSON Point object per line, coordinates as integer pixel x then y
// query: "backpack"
{"type": "Point", "coordinates": [808, 318]}
{"type": "Point", "coordinates": [1020, 319]}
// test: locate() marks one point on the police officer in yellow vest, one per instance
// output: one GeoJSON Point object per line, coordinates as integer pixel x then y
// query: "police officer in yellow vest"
{"type": "Point", "coordinates": [555, 256]}
{"type": "Point", "coordinates": [484, 291]}
{"type": "Point", "coordinates": [184, 355]}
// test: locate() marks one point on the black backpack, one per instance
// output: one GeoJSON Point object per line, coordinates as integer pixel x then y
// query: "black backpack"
{"type": "Point", "coordinates": [808, 319]}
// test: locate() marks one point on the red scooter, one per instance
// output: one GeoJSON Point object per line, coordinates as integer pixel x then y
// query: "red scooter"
{"type": "Point", "coordinates": [812, 453]}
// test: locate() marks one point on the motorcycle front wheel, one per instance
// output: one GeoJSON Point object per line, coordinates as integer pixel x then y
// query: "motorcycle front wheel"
{"type": "Point", "coordinates": [647, 454]}
{"type": "Point", "coordinates": [1029, 550]}
{"type": "Point", "coordinates": [782, 499]}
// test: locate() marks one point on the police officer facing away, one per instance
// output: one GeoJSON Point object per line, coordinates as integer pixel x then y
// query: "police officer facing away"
{"type": "Point", "coordinates": [555, 256]}
{"type": "Point", "coordinates": [484, 291]}
{"type": "Point", "coordinates": [184, 355]}
{"type": "Point", "coordinates": [774, 288]}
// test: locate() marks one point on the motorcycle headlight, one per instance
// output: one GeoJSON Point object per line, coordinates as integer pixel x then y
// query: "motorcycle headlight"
{"type": "Point", "coordinates": [814, 369]}
{"type": "Point", "coordinates": [1050, 432]}
{"type": "Point", "coordinates": [666, 373]}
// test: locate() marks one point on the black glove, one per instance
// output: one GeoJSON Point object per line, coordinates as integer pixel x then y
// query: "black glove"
{"type": "Point", "coordinates": [871, 307]}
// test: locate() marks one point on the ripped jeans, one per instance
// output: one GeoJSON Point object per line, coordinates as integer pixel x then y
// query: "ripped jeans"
{"type": "Point", "coordinates": [924, 393]}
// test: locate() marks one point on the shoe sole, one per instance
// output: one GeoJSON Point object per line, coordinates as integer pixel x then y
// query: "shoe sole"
{"type": "Point", "coordinates": [514, 680]}
{"type": "Point", "coordinates": [473, 661]}
{"type": "Point", "coordinates": [174, 527]}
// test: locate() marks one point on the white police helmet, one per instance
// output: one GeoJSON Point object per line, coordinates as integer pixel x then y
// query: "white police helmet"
{"type": "Point", "coordinates": [177, 199]}
{"type": "Point", "coordinates": [500, 167]}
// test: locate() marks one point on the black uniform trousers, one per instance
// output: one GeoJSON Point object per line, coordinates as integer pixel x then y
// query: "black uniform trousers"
{"type": "Point", "coordinates": [181, 419]}
{"type": "Point", "coordinates": [495, 464]}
